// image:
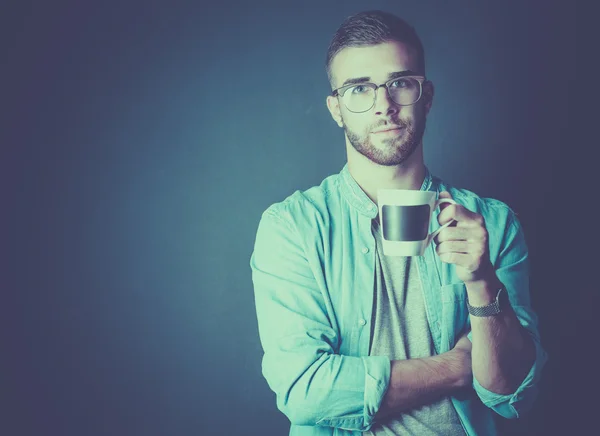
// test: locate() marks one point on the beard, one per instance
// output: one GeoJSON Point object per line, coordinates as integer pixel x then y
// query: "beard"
{"type": "Point", "coordinates": [391, 151]}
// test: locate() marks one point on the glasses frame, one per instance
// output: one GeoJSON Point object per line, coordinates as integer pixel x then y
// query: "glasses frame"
{"type": "Point", "coordinates": [339, 92]}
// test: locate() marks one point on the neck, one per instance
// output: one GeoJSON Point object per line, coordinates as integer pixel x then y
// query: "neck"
{"type": "Point", "coordinates": [371, 176]}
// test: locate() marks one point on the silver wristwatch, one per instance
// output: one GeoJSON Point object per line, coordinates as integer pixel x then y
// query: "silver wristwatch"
{"type": "Point", "coordinates": [491, 309]}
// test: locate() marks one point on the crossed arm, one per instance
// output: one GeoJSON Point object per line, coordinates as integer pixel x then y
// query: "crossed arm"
{"type": "Point", "coordinates": [416, 382]}
{"type": "Point", "coordinates": [500, 357]}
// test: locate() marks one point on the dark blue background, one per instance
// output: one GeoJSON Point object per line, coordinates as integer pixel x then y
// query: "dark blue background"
{"type": "Point", "coordinates": [140, 143]}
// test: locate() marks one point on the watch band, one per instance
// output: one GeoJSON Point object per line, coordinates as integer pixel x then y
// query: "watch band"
{"type": "Point", "coordinates": [490, 310]}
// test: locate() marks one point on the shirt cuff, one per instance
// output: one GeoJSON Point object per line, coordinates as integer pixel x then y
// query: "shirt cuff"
{"type": "Point", "coordinates": [377, 380]}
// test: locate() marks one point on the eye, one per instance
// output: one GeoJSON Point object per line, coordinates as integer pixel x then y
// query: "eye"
{"type": "Point", "coordinates": [399, 83]}
{"type": "Point", "coordinates": [359, 89]}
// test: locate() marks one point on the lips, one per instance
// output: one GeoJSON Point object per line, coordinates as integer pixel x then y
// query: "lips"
{"type": "Point", "coordinates": [387, 129]}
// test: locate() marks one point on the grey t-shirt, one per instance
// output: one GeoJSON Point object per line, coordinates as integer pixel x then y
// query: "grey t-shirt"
{"type": "Point", "coordinates": [399, 330]}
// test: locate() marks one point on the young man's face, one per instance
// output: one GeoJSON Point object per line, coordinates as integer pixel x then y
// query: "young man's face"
{"type": "Point", "coordinates": [377, 64]}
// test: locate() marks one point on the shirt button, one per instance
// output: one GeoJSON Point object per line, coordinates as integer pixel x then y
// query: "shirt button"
{"type": "Point", "coordinates": [365, 250]}
{"type": "Point", "coordinates": [371, 207]}
{"type": "Point", "coordinates": [362, 322]}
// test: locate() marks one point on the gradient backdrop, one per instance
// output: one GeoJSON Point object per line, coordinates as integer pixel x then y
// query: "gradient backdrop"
{"type": "Point", "coordinates": [142, 140]}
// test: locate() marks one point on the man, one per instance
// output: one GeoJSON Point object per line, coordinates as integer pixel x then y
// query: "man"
{"type": "Point", "coordinates": [355, 341]}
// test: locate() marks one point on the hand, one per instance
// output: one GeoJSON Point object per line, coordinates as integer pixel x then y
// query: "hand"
{"type": "Point", "coordinates": [462, 354]}
{"type": "Point", "coordinates": [464, 243]}
{"type": "Point", "coordinates": [464, 344]}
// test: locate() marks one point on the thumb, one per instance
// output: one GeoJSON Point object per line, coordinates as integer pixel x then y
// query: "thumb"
{"type": "Point", "coordinates": [444, 194]}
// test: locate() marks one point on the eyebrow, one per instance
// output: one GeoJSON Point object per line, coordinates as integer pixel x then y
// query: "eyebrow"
{"type": "Point", "coordinates": [393, 75]}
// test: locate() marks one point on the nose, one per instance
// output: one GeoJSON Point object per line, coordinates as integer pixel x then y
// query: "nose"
{"type": "Point", "coordinates": [384, 105]}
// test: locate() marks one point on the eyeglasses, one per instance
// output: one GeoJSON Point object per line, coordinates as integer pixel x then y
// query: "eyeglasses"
{"type": "Point", "coordinates": [360, 97]}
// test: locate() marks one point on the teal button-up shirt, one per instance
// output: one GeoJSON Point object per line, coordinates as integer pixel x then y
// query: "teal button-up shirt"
{"type": "Point", "coordinates": [313, 270]}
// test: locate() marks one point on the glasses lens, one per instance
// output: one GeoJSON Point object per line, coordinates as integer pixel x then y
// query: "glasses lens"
{"type": "Point", "coordinates": [359, 98]}
{"type": "Point", "coordinates": [405, 91]}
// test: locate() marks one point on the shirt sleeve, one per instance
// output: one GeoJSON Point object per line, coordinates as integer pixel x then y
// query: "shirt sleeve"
{"type": "Point", "coordinates": [512, 268]}
{"type": "Point", "coordinates": [314, 385]}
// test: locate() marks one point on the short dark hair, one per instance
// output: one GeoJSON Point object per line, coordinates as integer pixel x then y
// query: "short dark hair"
{"type": "Point", "coordinates": [371, 28]}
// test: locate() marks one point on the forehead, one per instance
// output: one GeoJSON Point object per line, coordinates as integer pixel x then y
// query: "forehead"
{"type": "Point", "coordinates": [374, 61]}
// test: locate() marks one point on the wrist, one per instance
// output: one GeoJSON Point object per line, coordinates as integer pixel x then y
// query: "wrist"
{"type": "Point", "coordinates": [483, 292]}
{"type": "Point", "coordinates": [459, 363]}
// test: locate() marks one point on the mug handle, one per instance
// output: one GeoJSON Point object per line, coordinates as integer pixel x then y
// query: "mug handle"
{"type": "Point", "coordinates": [437, 204]}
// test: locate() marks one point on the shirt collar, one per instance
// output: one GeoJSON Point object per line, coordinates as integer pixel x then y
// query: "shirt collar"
{"type": "Point", "coordinates": [361, 201]}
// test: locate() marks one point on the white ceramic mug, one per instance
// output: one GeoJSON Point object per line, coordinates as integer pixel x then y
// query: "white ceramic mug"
{"type": "Point", "coordinates": [405, 216]}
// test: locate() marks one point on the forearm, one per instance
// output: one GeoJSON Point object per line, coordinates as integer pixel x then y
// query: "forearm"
{"type": "Point", "coordinates": [415, 382]}
{"type": "Point", "coordinates": [503, 351]}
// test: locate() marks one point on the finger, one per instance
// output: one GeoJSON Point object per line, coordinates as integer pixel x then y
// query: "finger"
{"type": "Point", "coordinates": [463, 216]}
{"type": "Point", "coordinates": [453, 247]}
{"type": "Point", "coordinates": [444, 194]}
{"type": "Point", "coordinates": [461, 259]}
{"type": "Point", "coordinates": [453, 234]}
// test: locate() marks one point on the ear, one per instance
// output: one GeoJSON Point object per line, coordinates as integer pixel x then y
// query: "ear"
{"type": "Point", "coordinates": [428, 92]}
{"type": "Point", "coordinates": [333, 105]}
